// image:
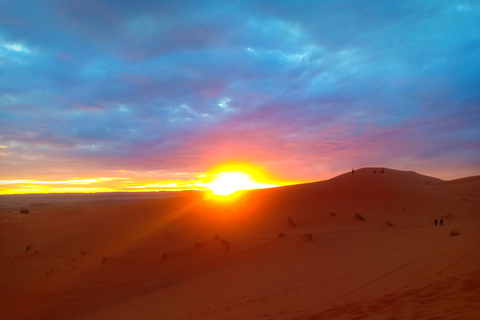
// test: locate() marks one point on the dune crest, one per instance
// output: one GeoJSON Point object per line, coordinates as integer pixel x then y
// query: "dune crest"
{"type": "Point", "coordinates": [296, 252]}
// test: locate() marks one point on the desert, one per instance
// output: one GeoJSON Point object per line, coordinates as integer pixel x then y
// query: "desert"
{"type": "Point", "coordinates": [357, 246]}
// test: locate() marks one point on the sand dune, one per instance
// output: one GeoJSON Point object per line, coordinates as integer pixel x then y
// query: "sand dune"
{"type": "Point", "coordinates": [294, 252]}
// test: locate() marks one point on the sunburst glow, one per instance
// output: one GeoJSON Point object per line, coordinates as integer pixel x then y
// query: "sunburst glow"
{"type": "Point", "coordinates": [230, 182]}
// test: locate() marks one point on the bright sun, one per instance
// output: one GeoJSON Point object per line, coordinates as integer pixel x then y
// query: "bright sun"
{"type": "Point", "coordinates": [230, 182]}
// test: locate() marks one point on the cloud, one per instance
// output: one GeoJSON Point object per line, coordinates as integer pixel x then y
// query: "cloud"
{"type": "Point", "coordinates": [308, 88]}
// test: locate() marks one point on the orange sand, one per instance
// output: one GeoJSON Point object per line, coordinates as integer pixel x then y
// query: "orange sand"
{"type": "Point", "coordinates": [190, 258]}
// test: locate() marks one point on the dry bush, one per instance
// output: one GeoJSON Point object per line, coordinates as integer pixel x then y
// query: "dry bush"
{"type": "Point", "coordinates": [389, 223]}
{"type": "Point", "coordinates": [24, 211]}
{"type": "Point", "coordinates": [290, 221]}
{"type": "Point", "coordinates": [359, 217]}
{"type": "Point", "coordinates": [308, 236]}
{"type": "Point", "coordinates": [226, 244]}
{"type": "Point", "coordinates": [454, 232]}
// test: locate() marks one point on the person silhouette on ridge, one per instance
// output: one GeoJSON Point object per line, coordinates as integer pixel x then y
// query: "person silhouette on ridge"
{"type": "Point", "coordinates": [436, 221]}
{"type": "Point", "coordinates": [441, 222]}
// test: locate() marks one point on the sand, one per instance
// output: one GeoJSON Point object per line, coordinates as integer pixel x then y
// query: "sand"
{"type": "Point", "coordinates": [294, 252]}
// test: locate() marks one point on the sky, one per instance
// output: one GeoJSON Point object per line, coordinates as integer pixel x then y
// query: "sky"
{"type": "Point", "coordinates": [157, 95]}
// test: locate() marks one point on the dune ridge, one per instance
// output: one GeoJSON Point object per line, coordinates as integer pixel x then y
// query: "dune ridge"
{"type": "Point", "coordinates": [295, 252]}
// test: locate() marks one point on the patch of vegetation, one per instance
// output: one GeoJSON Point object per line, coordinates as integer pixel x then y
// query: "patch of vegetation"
{"type": "Point", "coordinates": [389, 223]}
{"type": "Point", "coordinates": [290, 221]}
{"type": "Point", "coordinates": [28, 248]}
{"type": "Point", "coordinates": [308, 236]}
{"type": "Point", "coordinates": [226, 244]}
{"type": "Point", "coordinates": [454, 232]}
{"type": "Point", "coordinates": [359, 217]}
{"type": "Point", "coordinates": [24, 211]}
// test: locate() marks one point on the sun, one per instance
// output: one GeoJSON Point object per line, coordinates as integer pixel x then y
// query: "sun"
{"type": "Point", "coordinates": [231, 182]}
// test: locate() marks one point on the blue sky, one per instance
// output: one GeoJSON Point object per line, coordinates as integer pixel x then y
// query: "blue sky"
{"type": "Point", "coordinates": [303, 89]}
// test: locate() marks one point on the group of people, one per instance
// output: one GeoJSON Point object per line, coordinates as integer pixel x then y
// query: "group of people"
{"type": "Point", "coordinates": [436, 221]}
{"type": "Point", "coordinates": [375, 171]}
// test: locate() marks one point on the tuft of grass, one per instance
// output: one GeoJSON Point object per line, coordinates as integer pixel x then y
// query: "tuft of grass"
{"type": "Point", "coordinates": [290, 221]}
{"type": "Point", "coordinates": [226, 244]}
{"type": "Point", "coordinates": [308, 236]}
{"type": "Point", "coordinates": [454, 232]}
{"type": "Point", "coordinates": [359, 217]}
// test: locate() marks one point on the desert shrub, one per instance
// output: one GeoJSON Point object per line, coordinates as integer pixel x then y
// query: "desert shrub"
{"type": "Point", "coordinates": [359, 217]}
{"type": "Point", "coordinates": [389, 223]}
{"type": "Point", "coordinates": [226, 244]}
{"type": "Point", "coordinates": [454, 232]}
{"type": "Point", "coordinates": [28, 248]}
{"type": "Point", "coordinates": [308, 236]}
{"type": "Point", "coordinates": [290, 221]}
{"type": "Point", "coordinates": [24, 211]}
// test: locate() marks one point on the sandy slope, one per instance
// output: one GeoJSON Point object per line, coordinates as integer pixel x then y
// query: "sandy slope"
{"type": "Point", "coordinates": [193, 258]}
